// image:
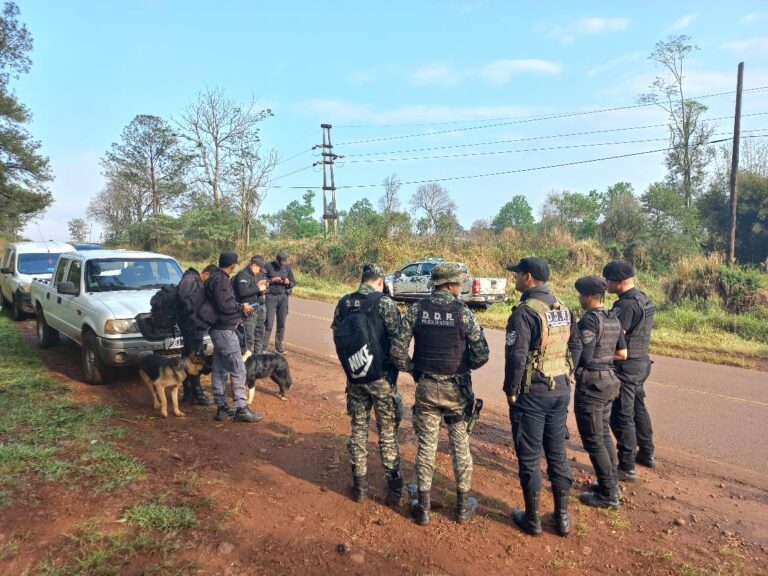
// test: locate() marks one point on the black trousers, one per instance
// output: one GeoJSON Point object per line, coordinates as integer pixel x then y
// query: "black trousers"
{"type": "Point", "coordinates": [193, 342]}
{"type": "Point", "coordinates": [630, 420]}
{"type": "Point", "coordinates": [538, 424]}
{"type": "Point", "coordinates": [593, 401]}
{"type": "Point", "coordinates": [277, 312]}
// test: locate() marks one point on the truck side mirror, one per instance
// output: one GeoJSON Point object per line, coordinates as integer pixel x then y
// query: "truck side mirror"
{"type": "Point", "coordinates": [5, 270]}
{"type": "Point", "coordinates": [68, 289]}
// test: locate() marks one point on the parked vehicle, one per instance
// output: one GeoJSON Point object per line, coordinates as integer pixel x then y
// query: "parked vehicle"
{"type": "Point", "coordinates": [413, 282]}
{"type": "Point", "coordinates": [80, 247]}
{"type": "Point", "coordinates": [99, 298]}
{"type": "Point", "coordinates": [19, 264]}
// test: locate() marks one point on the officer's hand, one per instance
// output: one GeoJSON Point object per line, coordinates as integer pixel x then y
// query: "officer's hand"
{"type": "Point", "coordinates": [262, 285]}
{"type": "Point", "coordinates": [511, 399]}
{"type": "Point", "coordinates": [247, 308]}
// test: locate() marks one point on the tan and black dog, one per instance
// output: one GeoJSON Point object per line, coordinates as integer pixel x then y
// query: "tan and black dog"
{"type": "Point", "coordinates": [159, 373]}
{"type": "Point", "coordinates": [272, 366]}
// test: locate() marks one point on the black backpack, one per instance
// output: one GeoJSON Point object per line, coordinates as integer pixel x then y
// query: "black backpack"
{"type": "Point", "coordinates": [164, 311]}
{"type": "Point", "coordinates": [358, 345]}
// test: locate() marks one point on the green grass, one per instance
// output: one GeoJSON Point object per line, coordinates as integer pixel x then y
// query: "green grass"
{"type": "Point", "coordinates": [162, 517]}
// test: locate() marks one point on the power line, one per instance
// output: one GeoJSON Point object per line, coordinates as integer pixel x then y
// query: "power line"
{"type": "Point", "coordinates": [522, 120]}
{"type": "Point", "coordinates": [291, 173]}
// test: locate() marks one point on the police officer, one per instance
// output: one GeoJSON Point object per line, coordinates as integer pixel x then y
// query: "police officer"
{"type": "Point", "coordinates": [596, 387]}
{"type": "Point", "coordinates": [190, 299]}
{"type": "Point", "coordinates": [281, 282]}
{"type": "Point", "coordinates": [250, 287]}
{"type": "Point", "coordinates": [542, 344]}
{"type": "Point", "coordinates": [630, 421]}
{"type": "Point", "coordinates": [448, 344]}
{"type": "Point", "coordinates": [379, 393]}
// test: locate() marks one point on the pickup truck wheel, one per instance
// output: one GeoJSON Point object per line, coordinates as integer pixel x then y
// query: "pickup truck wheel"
{"type": "Point", "coordinates": [94, 369]}
{"type": "Point", "coordinates": [46, 336]}
{"type": "Point", "coordinates": [16, 310]}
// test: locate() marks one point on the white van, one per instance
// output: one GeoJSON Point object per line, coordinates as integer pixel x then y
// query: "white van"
{"type": "Point", "coordinates": [19, 264]}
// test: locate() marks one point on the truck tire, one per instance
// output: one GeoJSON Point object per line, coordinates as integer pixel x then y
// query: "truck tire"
{"type": "Point", "coordinates": [46, 336]}
{"type": "Point", "coordinates": [94, 369]}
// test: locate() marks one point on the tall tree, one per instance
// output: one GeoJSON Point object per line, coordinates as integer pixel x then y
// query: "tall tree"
{"type": "Point", "coordinates": [575, 212]}
{"type": "Point", "coordinates": [516, 213]}
{"type": "Point", "coordinates": [149, 156]}
{"type": "Point", "coordinates": [389, 203]}
{"type": "Point", "coordinates": [439, 209]}
{"type": "Point", "coordinates": [624, 220]}
{"type": "Point", "coordinates": [673, 229]}
{"type": "Point", "coordinates": [215, 126]}
{"type": "Point", "coordinates": [297, 219]}
{"type": "Point", "coordinates": [78, 229]}
{"type": "Point", "coordinates": [24, 173]}
{"type": "Point", "coordinates": [689, 133]}
{"type": "Point", "coordinates": [119, 204]}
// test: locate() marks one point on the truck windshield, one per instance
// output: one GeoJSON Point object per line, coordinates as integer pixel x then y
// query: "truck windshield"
{"type": "Point", "coordinates": [131, 274]}
{"type": "Point", "coordinates": [37, 263]}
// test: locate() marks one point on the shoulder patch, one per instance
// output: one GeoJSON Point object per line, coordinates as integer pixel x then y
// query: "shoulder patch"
{"type": "Point", "coordinates": [587, 336]}
{"type": "Point", "coordinates": [511, 338]}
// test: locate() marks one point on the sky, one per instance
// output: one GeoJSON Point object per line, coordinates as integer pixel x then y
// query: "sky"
{"type": "Point", "coordinates": [487, 87]}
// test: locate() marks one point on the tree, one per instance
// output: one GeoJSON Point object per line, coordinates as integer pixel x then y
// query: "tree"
{"type": "Point", "coordinates": [389, 203]}
{"type": "Point", "coordinates": [673, 229]}
{"type": "Point", "coordinates": [689, 134]}
{"type": "Point", "coordinates": [24, 173]}
{"type": "Point", "coordinates": [120, 203]}
{"type": "Point", "coordinates": [215, 127]}
{"type": "Point", "coordinates": [150, 158]}
{"type": "Point", "coordinates": [439, 209]}
{"type": "Point", "coordinates": [572, 211]}
{"type": "Point", "coordinates": [297, 219]}
{"type": "Point", "coordinates": [623, 225]}
{"type": "Point", "coordinates": [516, 213]}
{"type": "Point", "coordinates": [78, 229]}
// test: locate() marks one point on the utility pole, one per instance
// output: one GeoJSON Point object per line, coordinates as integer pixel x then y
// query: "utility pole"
{"type": "Point", "coordinates": [329, 206]}
{"type": "Point", "coordinates": [731, 257]}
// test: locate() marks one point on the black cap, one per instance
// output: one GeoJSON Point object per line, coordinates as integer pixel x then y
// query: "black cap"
{"type": "Point", "coordinates": [591, 285]}
{"type": "Point", "coordinates": [282, 256]}
{"type": "Point", "coordinates": [618, 270]}
{"type": "Point", "coordinates": [226, 259]}
{"type": "Point", "coordinates": [210, 269]}
{"type": "Point", "coordinates": [536, 267]}
{"type": "Point", "coordinates": [259, 261]}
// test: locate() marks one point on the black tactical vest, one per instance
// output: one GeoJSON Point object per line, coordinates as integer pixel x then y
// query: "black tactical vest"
{"type": "Point", "coordinates": [607, 336]}
{"type": "Point", "coordinates": [440, 343]}
{"type": "Point", "coordinates": [639, 333]}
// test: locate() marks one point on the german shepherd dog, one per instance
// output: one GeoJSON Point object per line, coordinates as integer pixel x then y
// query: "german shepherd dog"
{"type": "Point", "coordinates": [159, 373]}
{"type": "Point", "coordinates": [273, 366]}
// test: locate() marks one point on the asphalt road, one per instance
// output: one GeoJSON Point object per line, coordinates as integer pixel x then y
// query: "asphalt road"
{"type": "Point", "coordinates": [713, 414]}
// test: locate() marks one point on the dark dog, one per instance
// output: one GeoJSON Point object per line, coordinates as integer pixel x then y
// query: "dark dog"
{"type": "Point", "coordinates": [159, 373]}
{"type": "Point", "coordinates": [272, 366]}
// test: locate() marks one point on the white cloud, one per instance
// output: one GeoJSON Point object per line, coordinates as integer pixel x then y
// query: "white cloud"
{"type": "Point", "coordinates": [684, 22]}
{"type": "Point", "coordinates": [501, 71]}
{"type": "Point", "coordinates": [756, 45]}
{"type": "Point", "coordinates": [567, 34]}
{"type": "Point", "coordinates": [752, 18]}
{"type": "Point", "coordinates": [436, 75]}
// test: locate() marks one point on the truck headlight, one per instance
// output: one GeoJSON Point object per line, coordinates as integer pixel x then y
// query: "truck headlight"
{"type": "Point", "coordinates": [127, 326]}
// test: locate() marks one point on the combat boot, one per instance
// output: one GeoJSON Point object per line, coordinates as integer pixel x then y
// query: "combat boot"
{"type": "Point", "coordinates": [627, 475]}
{"type": "Point", "coordinates": [394, 488]}
{"type": "Point", "coordinates": [420, 505]}
{"type": "Point", "coordinates": [601, 499]}
{"type": "Point", "coordinates": [529, 520]}
{"type": "Point", "coordinates": [198, 395]}
{"type": "Point", "coordinates": [595, 487]}
{"type": "Point", "coordinates": [562, 520]}
{"type": "Point", "coordinates": [359, 488]}
{"type": "Point", "coordinates": [466, 506]}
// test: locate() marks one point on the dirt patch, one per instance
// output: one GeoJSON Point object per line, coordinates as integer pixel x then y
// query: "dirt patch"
{"type": "Point", "coordinates": [274, 497]}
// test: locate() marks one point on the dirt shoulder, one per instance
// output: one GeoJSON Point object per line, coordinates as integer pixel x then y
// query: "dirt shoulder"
{"type": "Point", "coordinates": [274, 498]}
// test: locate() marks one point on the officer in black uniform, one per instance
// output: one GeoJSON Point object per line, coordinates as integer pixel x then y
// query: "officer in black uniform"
{"type": "Point", "coordinates": [537, 373]}
{"type": "Point", "coordinates": [281, 283]}
{"type": "Point", "coordinates": [630, 421]}
{"type": "Point", "coordinates": [190, 297]}
{"type": "Point", "coordinates": [596, 387]}
{"type": "Point", "coordinates": [250, 285]}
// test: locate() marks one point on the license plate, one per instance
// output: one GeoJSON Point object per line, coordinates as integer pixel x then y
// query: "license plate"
{"type": "Point", "coordinates": [170, 343]}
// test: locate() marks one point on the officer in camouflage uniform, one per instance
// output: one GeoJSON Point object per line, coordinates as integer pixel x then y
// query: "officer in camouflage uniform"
{"type": "Point", "coordinates": [448, 344]}
{"type": "Point", "coordinates": [381, 394]}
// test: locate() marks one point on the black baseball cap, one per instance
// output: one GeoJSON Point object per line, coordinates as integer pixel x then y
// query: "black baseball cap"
{"type": "Point", "coordinates": [591, 285]}
{"type": "Point", "coordinates": [536, 267]}
{"type": "Point", "coordinates": [259, 261]}
{"type": "Point", "coordinates": [227, 259]}
{"type": "Point", "coordinates": [282, 256]}
{"type": "Point", "coordinates": [618, 270]}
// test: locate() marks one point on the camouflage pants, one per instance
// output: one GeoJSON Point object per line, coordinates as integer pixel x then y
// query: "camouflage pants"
{"type": "Point", "coordinates": [435, 400]}
{"type": "Point", "coordinates": [388, 406]}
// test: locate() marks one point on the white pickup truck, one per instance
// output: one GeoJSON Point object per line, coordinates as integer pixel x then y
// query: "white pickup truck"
{"type": "Point", "coordinates": [99, 298]}
{"type": "Point", "coordinates": [413, 282]}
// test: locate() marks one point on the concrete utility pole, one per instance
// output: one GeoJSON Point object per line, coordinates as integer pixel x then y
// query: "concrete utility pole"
{"type": "Point", "coordinates": [329, 207]}
{"type": "Point", "coordinates": [731, 257]}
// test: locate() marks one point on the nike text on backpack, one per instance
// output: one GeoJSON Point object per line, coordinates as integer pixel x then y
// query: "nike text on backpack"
{"type": "Point", "coordinates": [358, 339]}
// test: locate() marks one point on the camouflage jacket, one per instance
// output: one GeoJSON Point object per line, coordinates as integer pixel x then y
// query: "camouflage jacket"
{"type": "Point", "coordinates": [387, 310]}
{"type": "Point", "coordinates": [478, 346]}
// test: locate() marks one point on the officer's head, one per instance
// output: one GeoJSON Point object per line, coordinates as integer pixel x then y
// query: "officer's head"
{"type": "Point", "coordinates": [228, 261]}
{"type": "Point", "coordinates": [207, 271]}
{"type": "Point", "coordinates": [529, 272]}
{"type": "Point", "coordinates": [591, 291]}
{"type": "Point", "coordinates": [257, 264]}
{"type": "Point", "coordinates": [282, 257]}
{"type": "Point", "coordinates": [448, 276]}
{"type": "Point", "coordinates": [620, 276]}
{"type": "Point", "coordinates": [373, 275]}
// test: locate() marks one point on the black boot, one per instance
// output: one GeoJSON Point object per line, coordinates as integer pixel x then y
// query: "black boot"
{"type": "Point", "coordinates": [466, 506]}
{"type": "Point", "coordinates": [359, 488]}
{"type": "Point", "coordinates": [529, 520]}
{"type": "Point", "coordinates": [420, 505]}
{"type": "Point", "coordinates": [187, 395]}
{"type": "Point", "coordinates": [562, 520]}
{"type": "Point", "coordinates": [395, 488]}
{"type": "Point", "coordinates": [196, 393]}
{"type": "Point", "coordinates": [601, 498]}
